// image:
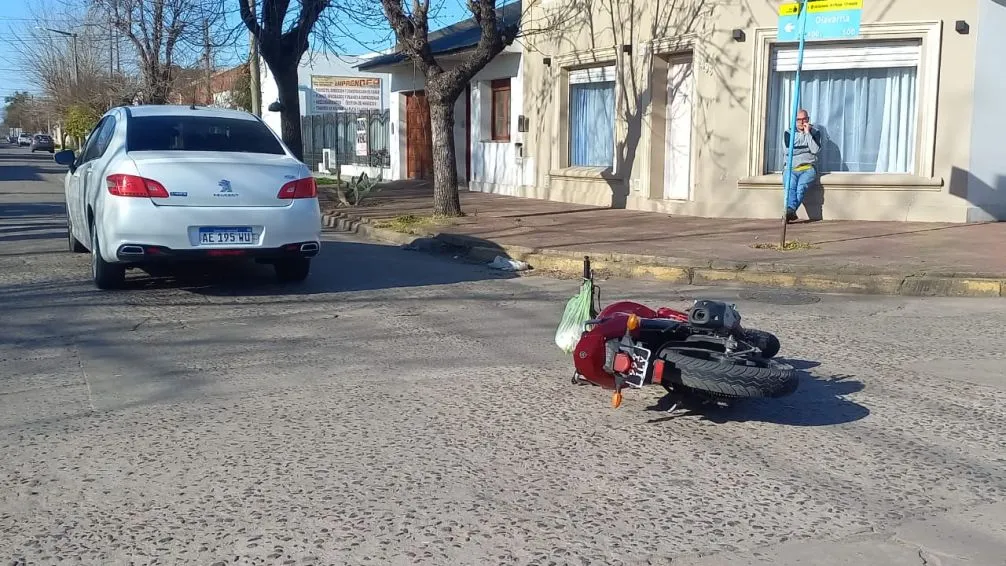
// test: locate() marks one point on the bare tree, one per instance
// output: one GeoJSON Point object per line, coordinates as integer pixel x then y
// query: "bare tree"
{"type": "Point", "coordinates": [445, 84]}
{"type": "Point", "coordinates": [282, 47]}
{"type": "Point", "coordinates": [75, 71]}
{"type": "Point", "coordinates": [165, 33]}
{"type": "Point", "coordinates": [26, 111]}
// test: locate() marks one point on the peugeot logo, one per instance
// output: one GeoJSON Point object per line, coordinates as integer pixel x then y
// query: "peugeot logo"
{"type": "Point", "coordinates": [225, 186]}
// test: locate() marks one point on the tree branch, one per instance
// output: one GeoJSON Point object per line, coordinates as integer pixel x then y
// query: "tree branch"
{"type": "Point", "coordinates": [249, 19]}
{"type": "Point", "coordinates": [493, 40]}
{"type": "Point", "coordinates": [412, 32]}
{"type": "Point", "coordinates": [298, 35]}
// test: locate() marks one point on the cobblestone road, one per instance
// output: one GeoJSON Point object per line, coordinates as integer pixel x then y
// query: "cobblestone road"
{"type": "Point", "coordinates": [405, 409]}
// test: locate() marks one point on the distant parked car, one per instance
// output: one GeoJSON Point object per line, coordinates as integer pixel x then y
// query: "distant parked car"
{"type": "Point", "coordinates": [23, 140]}
{"type": "Point", "coordinates": [42, 142]}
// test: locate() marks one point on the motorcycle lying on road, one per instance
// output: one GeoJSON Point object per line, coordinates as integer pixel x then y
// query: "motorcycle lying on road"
{"type": "Point", "coordinates": [702, 353]}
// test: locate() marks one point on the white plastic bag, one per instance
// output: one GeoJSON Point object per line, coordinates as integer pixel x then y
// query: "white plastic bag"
{"type": "Point", "coordinates": [507, 264]}
{"type": "Point", "coordinates": [574, 318]}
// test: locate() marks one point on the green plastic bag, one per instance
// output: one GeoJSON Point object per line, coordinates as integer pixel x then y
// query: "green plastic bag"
{"type": "Point", "coordinates": [574, 318]}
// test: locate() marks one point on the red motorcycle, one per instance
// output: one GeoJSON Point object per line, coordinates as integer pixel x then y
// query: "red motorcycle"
{"type": "Point", "coordinates": [702, 353]}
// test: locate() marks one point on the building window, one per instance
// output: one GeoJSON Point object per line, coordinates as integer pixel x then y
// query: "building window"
{"type": "Point", "coordinates": [863, 99]}
{"type": "Point", "coordinates": [501, 110]}
{"type": "Point", "coordinates": [592, 117]}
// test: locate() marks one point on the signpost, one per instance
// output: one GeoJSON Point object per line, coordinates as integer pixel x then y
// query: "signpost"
{"type": "Point", "coordinates": [345, 94]}
{"type": "Point", "coordinates": [362, 147]}
{"type": "Point", "coordinates": [810, 20]}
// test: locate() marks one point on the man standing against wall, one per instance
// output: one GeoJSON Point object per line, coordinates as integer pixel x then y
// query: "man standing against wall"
{"type": "Point", "coordinates": [805, 150]}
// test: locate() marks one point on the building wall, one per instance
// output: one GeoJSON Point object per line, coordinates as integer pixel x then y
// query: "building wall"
{"type": "Point", "coordinates": [399, 167]}
{"type": "Point", "coordinates": [985, 177]}
{"type": "Point", "coordinates": [498, 166]}
{"type": "Point", "coordinates": [317, 63]}
{"type": "Point", "coordinates": [405, 80]}
{"type": "Point", "coordinates": [729, 108]}
{"type": "Point", "coordinates": [495, 166]}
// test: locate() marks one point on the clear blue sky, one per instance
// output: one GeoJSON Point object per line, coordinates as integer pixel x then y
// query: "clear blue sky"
{"type": "Point", "coordinates": [17, 15]}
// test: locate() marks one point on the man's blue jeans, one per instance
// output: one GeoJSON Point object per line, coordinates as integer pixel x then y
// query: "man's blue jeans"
{"type": "Point", "coordinates": [797, 186]}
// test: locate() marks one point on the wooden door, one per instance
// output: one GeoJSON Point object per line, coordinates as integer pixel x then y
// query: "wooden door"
{"type": "Point", "coordinates": [418, 137]}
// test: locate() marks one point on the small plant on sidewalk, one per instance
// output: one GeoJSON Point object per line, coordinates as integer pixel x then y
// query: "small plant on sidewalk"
{"type": "Point", "coordinates": [352, 193]}
{"type": "Point", "coordinates": [791, 245]}
{"type": "Point", "coordinates": [412, 224]}
{"type": "Point", "coordinates": [361, 187]}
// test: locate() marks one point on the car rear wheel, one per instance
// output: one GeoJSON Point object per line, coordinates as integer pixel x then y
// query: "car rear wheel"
{"type": "Point", "coordinates": [106, 275]}
{"type": "Point", "coordinates": [292, 270]}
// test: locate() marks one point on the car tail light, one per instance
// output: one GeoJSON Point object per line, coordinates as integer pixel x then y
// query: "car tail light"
{"type": "Point", "coordinates": [301, 188]}
{"type": "Point", "coordinates": [122, 185]}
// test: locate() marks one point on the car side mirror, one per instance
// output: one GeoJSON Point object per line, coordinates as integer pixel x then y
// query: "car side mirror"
{"type": "Point", "coordinates": [276, 106]}
{"type": "Point", "coordinates": [65, 157]}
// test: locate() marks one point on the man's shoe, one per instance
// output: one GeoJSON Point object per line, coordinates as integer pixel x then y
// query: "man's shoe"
{"type": "Point", "coordinates": [791, 215]}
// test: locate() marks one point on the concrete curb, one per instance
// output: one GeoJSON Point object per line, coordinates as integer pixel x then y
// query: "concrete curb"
{"type": "Point", "coordinates": [686, 271]}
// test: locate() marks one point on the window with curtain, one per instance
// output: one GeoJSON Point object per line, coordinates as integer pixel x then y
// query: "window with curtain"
{"type": "Point", "coordinates": [592, 117]}
{"type": "Point", "coordinates": [501, 110]}
{"type": "Point", "coordinates": [863, 99]}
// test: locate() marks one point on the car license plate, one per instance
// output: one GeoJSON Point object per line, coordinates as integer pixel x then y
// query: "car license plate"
{"type": "Point", "coordinates": [239, 236]}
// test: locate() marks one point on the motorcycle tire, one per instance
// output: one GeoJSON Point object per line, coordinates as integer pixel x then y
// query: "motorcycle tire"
{"type": "Point", "coordinates": [767, 342]}
{"type": "Point", "coordinates": [768, 378]}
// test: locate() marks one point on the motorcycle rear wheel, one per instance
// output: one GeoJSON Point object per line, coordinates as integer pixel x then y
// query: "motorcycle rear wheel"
{"type": "Point", "coordinates": [714, 373]}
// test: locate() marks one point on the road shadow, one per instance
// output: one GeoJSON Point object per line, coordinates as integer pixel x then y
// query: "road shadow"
{"type": "Point", "coordinates": [29, 167]}
{"type": "Point", "coordinates": [12, 228]}
{"type": "Point", "coordinates": [341, 267]}
{"type": "Point", "coordinates": [818, 401]}
{"type": "Point", "coordinates": [27, 233]}
{"type": "Point", "coordinates": [40, 210]}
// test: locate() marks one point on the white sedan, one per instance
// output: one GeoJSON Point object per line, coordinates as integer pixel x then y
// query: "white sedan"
{"type": "Point", "coordinates": [163, 183]}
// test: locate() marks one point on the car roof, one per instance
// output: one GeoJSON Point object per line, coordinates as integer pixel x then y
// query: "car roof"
{"type": "Point", "coordinates": [181, 110]}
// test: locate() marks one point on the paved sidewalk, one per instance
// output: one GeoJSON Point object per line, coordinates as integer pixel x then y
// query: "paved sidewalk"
{"type": "Point", "coordinates": [891, 252]}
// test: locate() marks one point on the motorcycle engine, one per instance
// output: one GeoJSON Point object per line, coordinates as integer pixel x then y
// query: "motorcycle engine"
{"type": "Point", "coordinates": [714, 316]}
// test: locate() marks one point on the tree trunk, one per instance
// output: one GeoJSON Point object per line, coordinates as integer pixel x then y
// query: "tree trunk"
{"type": "Point", "coordinates": [446, 201]}
{"type": "Point", "coordinates": [288, 85]}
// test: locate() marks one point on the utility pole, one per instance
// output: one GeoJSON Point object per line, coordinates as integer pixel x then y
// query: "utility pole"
{"type": "Point", "coordinates": [208, 63]}
{"type": "Point", "coordinates": [76, 66]}
{"type": "Point", "coordinates": [254, 74]}
{"type": "Point", "coordinates": [788, 168]}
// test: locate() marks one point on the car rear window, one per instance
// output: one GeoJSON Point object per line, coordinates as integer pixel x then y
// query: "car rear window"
{"type": "Point", "coordinates": [200, 133]}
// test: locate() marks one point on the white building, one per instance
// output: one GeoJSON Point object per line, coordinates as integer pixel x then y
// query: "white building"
{"type": "Point", "coordinates": [489, 138]}
{"type": "Point", "coordinates": [329, 83]}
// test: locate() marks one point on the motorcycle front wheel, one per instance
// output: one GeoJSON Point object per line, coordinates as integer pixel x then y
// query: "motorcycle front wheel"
{"type": "Point", "coordinates": [715, 373]}
{"type": "Point", "coordinates": [767, 342]}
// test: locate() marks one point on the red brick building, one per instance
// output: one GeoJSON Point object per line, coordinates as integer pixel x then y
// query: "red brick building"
{"type": "Point", "coordinates": [222, 85]}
